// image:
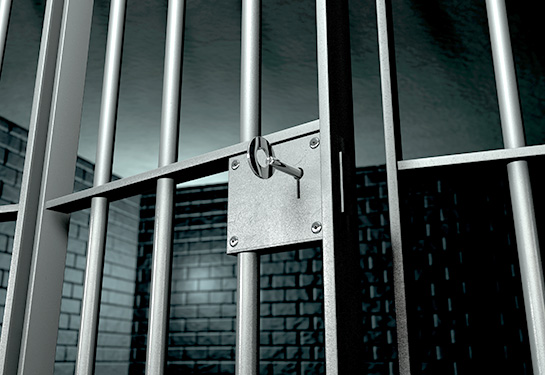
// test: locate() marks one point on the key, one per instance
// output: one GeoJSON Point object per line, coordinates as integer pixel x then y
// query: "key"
{"type": "Point", "coordinates": [271, 162]}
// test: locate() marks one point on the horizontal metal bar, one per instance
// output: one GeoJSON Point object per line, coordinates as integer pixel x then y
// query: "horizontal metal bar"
{"type": "Point", "coordinates": [8, 212]}
{"type": "Point", "coordinates": [473, 157]}
{"type": "Point", "coordinates": [182, 171]}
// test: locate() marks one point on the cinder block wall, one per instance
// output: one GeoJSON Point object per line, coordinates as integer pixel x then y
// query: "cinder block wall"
{"type": "Point", "coordinates": [463, 284]}
{"type": "Point", "coordinates": [116, 311]}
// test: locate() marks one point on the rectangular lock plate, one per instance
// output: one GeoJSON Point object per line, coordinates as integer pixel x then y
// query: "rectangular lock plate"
{"type": "Point", "coordinates": [266, 213]}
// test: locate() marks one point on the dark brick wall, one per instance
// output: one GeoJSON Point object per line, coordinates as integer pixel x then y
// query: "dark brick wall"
{"type": "Point", "coordinates": [463, 284]}
{"type": "Point", "coordinates": [116, 312]}
{"type": "Point", "coordinates": [203, 296]}
{"type": "Point", "coordinates": [466, 309]}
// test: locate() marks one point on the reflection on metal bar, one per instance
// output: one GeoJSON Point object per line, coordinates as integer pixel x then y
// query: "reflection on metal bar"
{"type": "Point", "coordinates": [5, 10]}
{"type": "Point", "coordinates": [8, 212]}
{"type": "Point", "coordinates": [342, 306]}
{"type": "Point", "coordinates": [392, 140]}
{"type": "Point", "coordinates": [473, 157]}
{"type": "Point", "coordinates": [248, 283]}
{"type": "Point", "coordinates": [16, 296]}
{"type": "Point", "coordinates": [164, 207]}
{"type": "Point", "coordinates": [85, 361]}
{"type": "Point", "coordinates": [182, 171]}
{"type": "Point", "coordinates": [519, 183]}
{"type": "Point", "coordinates": [49, 253]}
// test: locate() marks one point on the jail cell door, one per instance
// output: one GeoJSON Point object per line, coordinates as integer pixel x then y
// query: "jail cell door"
{"type": "Point", "coordinates": [289, 188]}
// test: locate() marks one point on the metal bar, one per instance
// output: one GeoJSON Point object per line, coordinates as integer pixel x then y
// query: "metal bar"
{"type": "Point", "coordinates": [183, 171]}
{"type": "Point", "coordinates": [392, 143]}
{"type": "Point", "coordinates": [8, 212]}
{"type": "Point", "coordinates": [342, 303]}
{"type": "Point", "coordinates": [519, 182]}
{"type": "Point", "coordinates": [473, 157]}
{"type": "Point", "coordinates": [164, 207]}
{"type": "Point", "coordinates": [87, 340]}
{"type": "Point", "coordinates": [248, 282]}
{"type": "Point", "coordinates": [16, 296]}
{"type": "Point", "coordinates": [49, 253]}
{"type": "Point", "coordinates": [5, 11]}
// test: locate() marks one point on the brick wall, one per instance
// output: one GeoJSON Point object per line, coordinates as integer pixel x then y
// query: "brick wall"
{"type": "Point", "coordinates": [463, 284]}
{"type": "Point", "coordinates": [466, 309]}
{"type": "Point", "coordinates": [203, 296]}
{"type": "Point", "coordinates": [116, 311]}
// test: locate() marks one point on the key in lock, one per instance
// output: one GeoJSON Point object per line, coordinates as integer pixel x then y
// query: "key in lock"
{"type": "Point", "coordinates": [271, 163]}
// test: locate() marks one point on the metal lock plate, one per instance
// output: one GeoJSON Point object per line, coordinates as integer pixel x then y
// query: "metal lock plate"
{"type": "Point", "coordinates": [266, 213]}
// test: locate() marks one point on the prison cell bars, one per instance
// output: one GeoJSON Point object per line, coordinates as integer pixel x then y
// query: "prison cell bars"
{"type": "Point", "coordinates": [519, 181]}
{"type": "Point", "coordinates": [248, 264]}
{"type": "Point", "coordinates": [87, 339]}
{"type": "Point", "coordinates": [164, 206]}
{"type": "Point", "coordinates": [68, 23]}
{"type": "Point", "coordinates": [68, 82]}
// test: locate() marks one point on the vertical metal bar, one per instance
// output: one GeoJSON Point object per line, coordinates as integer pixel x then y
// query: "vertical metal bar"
{"type": "Point", "coordinates": [392, 142]}
{"type": "Point", "coordinates": [48, 260]}
{"type": "Point", "coordinates": [519, 183]}
{"type": "Point", "coordinates": [5, 10]}
{"type": "Point", "coordinates": [248, 283]}
{"type": "Point", "coordinates": [85, 361]}
{"type": "Point", "coordinates": [164, 207]}
{"type": "Point", "coordinates": [342, 302]}
{"type": "Point", "coordinates": [16, 296]}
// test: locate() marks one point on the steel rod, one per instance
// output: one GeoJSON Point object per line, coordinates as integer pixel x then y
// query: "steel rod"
{"type": "Point", "coordinates": [164, 206]}
{"type": "Point", "coordinates": [5, 11]}
{"type": "Point", "coordinates": [519, 183]}
{"type": "Point", "coordinates": [248, 283]}
{"type": "Point", "coordinates": [28, 207]}
{"type": "Point", "coordinates": [473, 157]}
{"type": "Point", "coordinates": [182, 171]}
{"type": "Point", "coordinates": [392, 143]}
{"type": "Point", "coordinates": [87, 341]}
